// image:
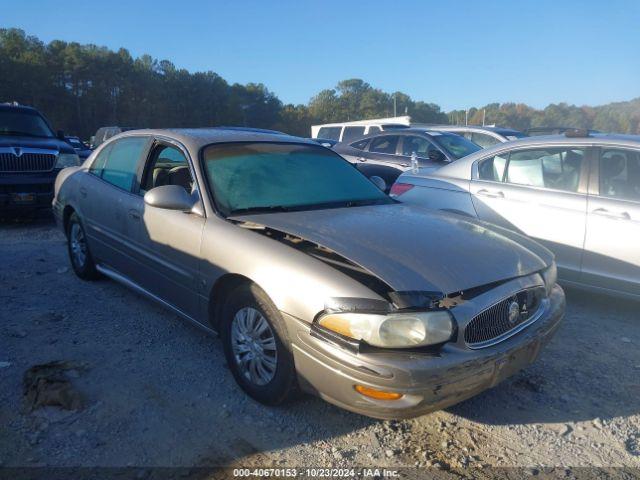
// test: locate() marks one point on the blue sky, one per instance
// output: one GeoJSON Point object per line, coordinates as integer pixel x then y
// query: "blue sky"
{"type": "Point", "coordinates": [455, 53]}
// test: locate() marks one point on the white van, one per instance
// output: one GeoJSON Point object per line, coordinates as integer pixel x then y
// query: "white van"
{"type": "Point", "coordinates": [347, 131]}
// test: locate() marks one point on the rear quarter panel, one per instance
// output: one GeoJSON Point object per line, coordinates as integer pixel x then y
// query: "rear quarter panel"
{"type": "Point", "coordinates": [439, 194]}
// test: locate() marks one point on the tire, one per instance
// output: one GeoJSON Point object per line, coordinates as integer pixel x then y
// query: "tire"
{"type": "Point", "coordinates": [78, 249]}
{"type": "Point", "coordinates": [246, 306]}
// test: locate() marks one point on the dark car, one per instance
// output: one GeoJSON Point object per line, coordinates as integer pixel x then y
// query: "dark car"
{"type": "Point", "coordinates": [325, 142]}
{"type": "Point", "coordinates": [82, 149]}
{"type": "Point", "coordinates": [31, 156]}
{"type": "Point", "coordinates": [388, 154]}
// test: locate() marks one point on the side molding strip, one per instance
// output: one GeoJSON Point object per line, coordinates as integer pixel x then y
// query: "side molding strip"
{"type": "Point", "coordinates": [112, 274]}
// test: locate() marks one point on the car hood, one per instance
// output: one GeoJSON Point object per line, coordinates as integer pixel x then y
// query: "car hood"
{"type": "Point", "coordinates": [413, 248]}
{"type": "Point", "coordinates": [35, 142]}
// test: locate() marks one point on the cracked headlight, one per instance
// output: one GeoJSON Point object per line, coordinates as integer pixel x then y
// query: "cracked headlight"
{"type": "Point", "coordinates": [550, 277]}
{"type": "Point", "coordinates": [393, 330]}
{"type": "Point", "coordinates": [67, 160]}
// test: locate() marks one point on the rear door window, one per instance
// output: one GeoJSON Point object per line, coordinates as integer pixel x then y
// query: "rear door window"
{"type": "Point", "coordinates": [620, 174]}
{"type": "Point", "coordinates": [557, 168]}
{"type": "Point", "coordinates": [384, 144]}
{"type": "Point", "coordinates": [352, 133]}
{"type": "Point", "coordinates": [330, 133]}
{"type": "Point", "coordinates": [121, 166]}
{"type": "Point", "coordinates": [492, 169]}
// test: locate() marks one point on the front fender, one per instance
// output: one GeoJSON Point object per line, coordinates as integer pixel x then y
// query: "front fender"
{"type": "Point", "coordinates": [296, 282]}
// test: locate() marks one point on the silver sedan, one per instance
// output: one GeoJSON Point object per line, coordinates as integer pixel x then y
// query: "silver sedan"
{"type": "Point", "coordinates": [577, 194]}
{"type": "Point", "coordinates": [313, 277]}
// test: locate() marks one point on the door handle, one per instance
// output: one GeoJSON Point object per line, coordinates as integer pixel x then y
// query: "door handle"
{"type": "Point", "coordinates": [362, 159]}
{"type": "Point", "coordinates": [606, 213]}
{"type": "Point", "coordinates": [487, 193]}
{"type": "Point", "coordinates": [83, 192]}
{"type": "Point", "coordinates": [134, 214]}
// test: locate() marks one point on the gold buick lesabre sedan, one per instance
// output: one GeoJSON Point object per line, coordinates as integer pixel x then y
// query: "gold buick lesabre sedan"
{"type": "Point", "coordinates": [313, 277]}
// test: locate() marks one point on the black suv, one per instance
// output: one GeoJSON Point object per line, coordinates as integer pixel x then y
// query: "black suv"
{"type": "Point", "coordinates": [31, 156]}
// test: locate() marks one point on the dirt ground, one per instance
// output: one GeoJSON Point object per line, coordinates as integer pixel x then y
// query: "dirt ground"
{"type": "Point", "coordinates": [158, 392]}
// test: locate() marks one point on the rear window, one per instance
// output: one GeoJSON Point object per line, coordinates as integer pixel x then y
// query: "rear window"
{"type": "Point", "coordinates": [484, 140]}
{"type": "Point", "coordinates": [512, 134]}
{"type": "Point", "coordinates": [330, 133]}
{"type": "Point", "coordinates": [360, 145]}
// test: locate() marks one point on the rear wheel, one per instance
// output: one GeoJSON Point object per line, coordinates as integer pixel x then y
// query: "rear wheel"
{"type": "Point", "coordinates": [256, 346]}
{"type": "Point", "coordinates": [79, 254]}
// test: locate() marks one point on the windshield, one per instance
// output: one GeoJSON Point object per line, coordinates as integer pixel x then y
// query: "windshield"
{"type": "Point", "coordinates": [20, 122]}
{"type": "Point", "coordinates": [455, 145]}
{"type": "Point", "coordinates": [270, 177]}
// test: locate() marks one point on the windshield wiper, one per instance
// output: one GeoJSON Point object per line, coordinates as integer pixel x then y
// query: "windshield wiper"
{"type": "Point", "coordinates": [363, 203]}
{"type": "Point", "coordinates": [311, 206]}
{"type": "Point", "coordinates": [260, 209]}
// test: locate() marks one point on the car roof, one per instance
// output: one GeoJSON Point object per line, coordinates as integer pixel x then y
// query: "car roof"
{"type": "Point", "coordinates": [462, 168]}
{"type": "Point", "coordinates": [500, 130]}
{"type": "Point", "coordinates": [599, 138]}
{"type": "Point", "coordinates": [196, 138]}
{"type": "Point", "coordinates": [407, 131]}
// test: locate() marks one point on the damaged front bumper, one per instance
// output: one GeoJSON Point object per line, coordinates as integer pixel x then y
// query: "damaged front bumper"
{"type": "Point", "coordinates": [428, 381]}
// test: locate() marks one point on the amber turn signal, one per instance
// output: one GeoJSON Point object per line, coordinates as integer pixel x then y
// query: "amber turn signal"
{"type": "Point", "coordinates": [377, 394]}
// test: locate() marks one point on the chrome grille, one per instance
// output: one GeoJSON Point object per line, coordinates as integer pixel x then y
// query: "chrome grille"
{"type": "Point", "coordinates": [27, 162]}
{"type": "Point", "coordinates": [500, 321]}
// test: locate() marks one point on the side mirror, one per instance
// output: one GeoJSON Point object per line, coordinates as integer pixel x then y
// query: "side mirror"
{"type": "Point", "coordinates": [170, 197]}
{"type": "Point", "coordinates": [60, 134]}
{"type": "Point", "coordinates": [379, 182]}
{"type": "Point", "coordinates": [437, 156]}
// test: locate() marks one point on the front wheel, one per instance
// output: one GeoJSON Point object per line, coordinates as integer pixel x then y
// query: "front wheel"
{"type": "Point", "coordinates": [79, 254]}
{"type": "Point", "coordinates": [256, 346]}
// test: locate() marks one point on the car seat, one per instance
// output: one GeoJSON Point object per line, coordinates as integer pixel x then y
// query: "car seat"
{"type": "Point", "coordinates": [609, 169]}
{"type": "Point", "coordinates": [180, 176]}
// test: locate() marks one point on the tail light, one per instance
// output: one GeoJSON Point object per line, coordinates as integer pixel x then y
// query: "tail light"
{"type": "Point", "coordinates": [398, 189]}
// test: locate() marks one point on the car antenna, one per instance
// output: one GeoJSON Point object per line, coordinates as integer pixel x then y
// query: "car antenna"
{"type": "Point", "coordinates": [414, 162]}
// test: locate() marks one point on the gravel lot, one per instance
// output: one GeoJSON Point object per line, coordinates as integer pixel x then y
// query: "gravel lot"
{"type": "Point", "coordinates": [159, 393]}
